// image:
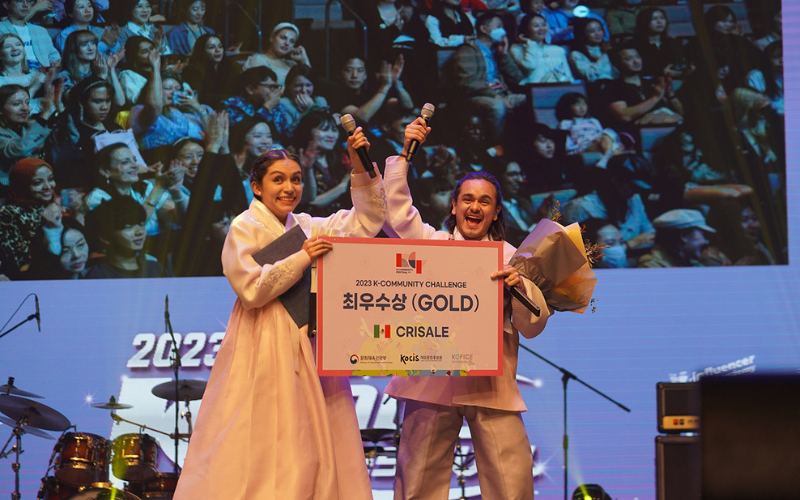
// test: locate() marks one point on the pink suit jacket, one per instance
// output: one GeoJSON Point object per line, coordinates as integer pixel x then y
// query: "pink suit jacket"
{"type": "Point", "coordinates": [501, 393]}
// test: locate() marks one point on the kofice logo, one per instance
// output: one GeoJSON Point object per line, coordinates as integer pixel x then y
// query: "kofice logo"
{"type": "Point", "coordinates": [413, 358]}
{"type": "Point", "coordinates": [407, 264]}
{"type": "Point", "coordinates": [353, 359]}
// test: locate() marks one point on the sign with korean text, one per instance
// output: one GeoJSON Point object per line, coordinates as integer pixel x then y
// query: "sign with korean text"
{"type": "Point", "coordinates": [410, 307]}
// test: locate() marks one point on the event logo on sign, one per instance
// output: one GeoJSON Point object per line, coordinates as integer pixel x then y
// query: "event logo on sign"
{"type": "Point", "coordinates": [407, 264]}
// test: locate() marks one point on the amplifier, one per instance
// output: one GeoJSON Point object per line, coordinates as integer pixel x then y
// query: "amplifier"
{"type": "Point", "coordinates": [678, 407]}
{"type": "Point", "coordinates": [678, 468]}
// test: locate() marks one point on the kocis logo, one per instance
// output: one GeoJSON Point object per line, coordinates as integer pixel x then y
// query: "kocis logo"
{"type": "Point", "coordinates": [412, 358]}
{"type": "Point", "coordinates": [408, 263]}
{"type": "Point", "coordinates": [353, 359]}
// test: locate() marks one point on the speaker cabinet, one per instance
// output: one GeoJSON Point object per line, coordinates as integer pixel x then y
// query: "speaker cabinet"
{"type": "Point", "coordinates": [678, 474]}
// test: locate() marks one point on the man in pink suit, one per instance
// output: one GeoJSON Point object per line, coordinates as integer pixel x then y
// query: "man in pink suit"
{"type": "Point", "coordinates": [436, 406]}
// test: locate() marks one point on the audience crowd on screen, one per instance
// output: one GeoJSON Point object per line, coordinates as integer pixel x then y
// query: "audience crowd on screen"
{"type": "Point", "coordinates": [127, 135]}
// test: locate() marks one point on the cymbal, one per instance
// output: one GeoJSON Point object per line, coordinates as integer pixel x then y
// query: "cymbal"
{"type": "Point", "coordinates": [112, 405]}
{"type": "Point", "coordinates": [12, 390]}
{"type": "Point", "coordinates": [37, 414]}
{"type": "Point", "coordinates": [187, 389]}
{"type": "Point", "coordinates": [377, 435]}
{"type": "Point", "coordinates": [33, 431]}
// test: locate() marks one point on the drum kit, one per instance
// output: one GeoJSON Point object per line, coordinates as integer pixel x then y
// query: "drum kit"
{"type": "Point", "coordinates": [80, 461]}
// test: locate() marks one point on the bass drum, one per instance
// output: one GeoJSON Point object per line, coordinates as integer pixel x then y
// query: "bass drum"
{"type": "Point", "coordinates": [104, 494]}
{"type": "Point", "coordinates": [53, 489]}
{"type": "Point", "coordinates": [163, 486]}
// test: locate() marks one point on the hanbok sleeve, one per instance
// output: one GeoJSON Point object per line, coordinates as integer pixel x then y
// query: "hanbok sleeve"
{"type": "Point", "coordinates": [402, 219]}
{"type": "Point", "coordinates": [257, 285]}
{"type": "Point", "coordinates": [524, 321]}
{"type": "Point", "coordinates": [368, 214]}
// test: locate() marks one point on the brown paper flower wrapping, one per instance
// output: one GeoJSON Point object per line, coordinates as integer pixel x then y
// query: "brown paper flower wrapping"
{"type": "Point", "coordinates": [554, 259]}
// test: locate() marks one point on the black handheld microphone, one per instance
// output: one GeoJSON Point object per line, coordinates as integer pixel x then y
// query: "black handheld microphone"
{"type": "Point", "coordinates": [349, 124]}
{"type": "Point", "coordinates": [525, 300]}
{"type": "Point", "coordinates": [38, 317]}
{"type": "Point", "coordinates": [426, 114]}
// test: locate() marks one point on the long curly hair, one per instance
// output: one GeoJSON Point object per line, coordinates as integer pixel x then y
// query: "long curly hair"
{"type": "Point", "coordinates": [497, 231]}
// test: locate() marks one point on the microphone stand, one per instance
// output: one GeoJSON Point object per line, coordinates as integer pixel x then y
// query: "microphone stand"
{"type": "Point", "coordinates": [175, 359]}
{"type": "Point", "coordinates": [566, 375]}
{"type": "Point", "coordinates": [29, 318]}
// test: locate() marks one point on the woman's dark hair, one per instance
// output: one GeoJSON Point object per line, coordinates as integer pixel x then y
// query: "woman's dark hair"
{"type": "Point", "coordinates": [497, 231]}
{"type": "Point", "coordinates": [295, 72]}
{"type": "Point", "coordinates": [241, 129]}
{"type": "Point", "coordinates": [266, 160]}
{"type": "Point", "coordinates": [44, 264]}
{"type": "Point", "coordinates": [181, 7]}
{"type": "Point", "coordinates": [522, 27]}
{"type": "Point", "coordinates": [69, 6]}
{"type": "Point", "coordinates": [125, 12]}
{"type": "Point", "coordinates": [304, 131]}
{"type": "Point", "coordinates": [175, 148]}
{"type": "Point", "coordinates": [715, 14]}
{"type": "Point", "coordinates": [581, 43]}
{"type": "Point", "coordinates": [111, 216]}
{"type": "Point", "coordinates": [198, 57]}
{"type": "Point", "coordinates": [132, 51]}
{"type": "Point", "coordinates": [72, 48]}
{"type": "Point", "coordinates": [564, 105]}
{"type": "Point", "coordinates": [642, 30]}
{"type": "Point", "coordinates": [80, 94]}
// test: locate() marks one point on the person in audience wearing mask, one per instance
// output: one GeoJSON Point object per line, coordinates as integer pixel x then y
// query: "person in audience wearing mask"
{"type": "Point", "coordinates": [485, 76]}
{"type": "Point", "coordinates": [615, 252]}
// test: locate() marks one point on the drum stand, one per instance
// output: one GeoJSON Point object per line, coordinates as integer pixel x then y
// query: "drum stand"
{"type": "Point", "coordinates": [17, 449]}
{"type": "Point", "coordinates": [463, 463]}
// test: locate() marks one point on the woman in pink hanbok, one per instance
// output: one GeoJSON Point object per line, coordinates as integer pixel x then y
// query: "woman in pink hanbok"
{"type": "Point", "coordinates": [269, 426]}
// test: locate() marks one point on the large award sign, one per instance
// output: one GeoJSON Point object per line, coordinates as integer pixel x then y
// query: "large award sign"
{"type": "Point", "coordinates": [410, 307]}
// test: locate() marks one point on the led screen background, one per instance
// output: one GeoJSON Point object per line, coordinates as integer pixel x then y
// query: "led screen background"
{"type": "Point", "coordinates": [649, 326]}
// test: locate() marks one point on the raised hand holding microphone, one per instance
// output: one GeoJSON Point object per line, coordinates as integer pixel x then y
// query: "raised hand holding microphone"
{"type": "Point", "coordinates": [425, 115]}
{"type": "Point", "coordinates": [416, 132]}
{"type": "Point", "coordinates": [362, 146]}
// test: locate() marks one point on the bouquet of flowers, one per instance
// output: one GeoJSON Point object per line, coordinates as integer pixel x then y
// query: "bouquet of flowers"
{"type": "Point", "coordinates": [555, 259]}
